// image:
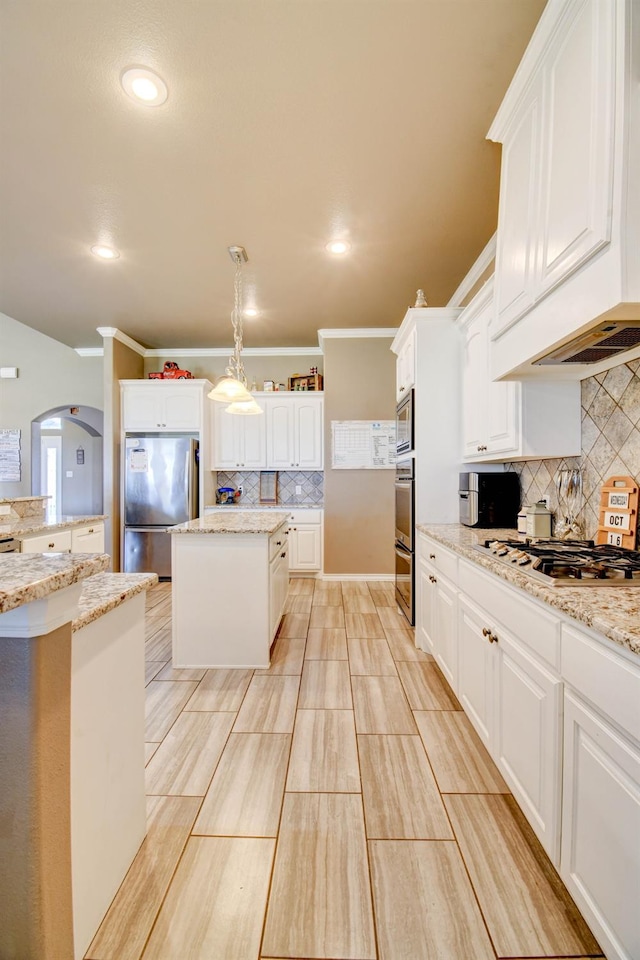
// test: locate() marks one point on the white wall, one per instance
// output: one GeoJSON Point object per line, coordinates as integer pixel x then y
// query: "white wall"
{"type": "Point", "coordinates": [50, 375]}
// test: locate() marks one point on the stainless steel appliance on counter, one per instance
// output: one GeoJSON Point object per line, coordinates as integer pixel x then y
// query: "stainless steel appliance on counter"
{"type": "Point", "coordinates": [405, 541]}
{"type": "Point", "coordinates": [160, 490]}
{"type": "Point", "coordinates": [489, 499]}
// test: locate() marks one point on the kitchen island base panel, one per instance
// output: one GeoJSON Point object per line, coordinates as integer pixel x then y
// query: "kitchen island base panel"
{"type": "Point", "coordinates": [222, 616]}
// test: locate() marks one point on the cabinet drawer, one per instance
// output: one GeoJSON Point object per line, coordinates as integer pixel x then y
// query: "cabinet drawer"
{"type": "Point", "coordinates": [601, 675]}
{"type": "Point", "coordinates": [305, 516]}
{"type": "Point", "coordinates": [57, 542]}
{"type": "Point", "coordinates": [526, 620]}
{"type": "Point", "coordinates": [439, 557]}
{"type": "Point", "coordinates": [88, 539]}
{"type": "Point", "coordinates": [278, 542]}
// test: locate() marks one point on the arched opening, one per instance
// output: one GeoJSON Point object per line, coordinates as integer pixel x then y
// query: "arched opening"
{"type": "Point", "coordinates": [66, 460]}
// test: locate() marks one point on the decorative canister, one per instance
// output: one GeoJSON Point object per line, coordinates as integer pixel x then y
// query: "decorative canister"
{"type": "Point", "coordinates": [538, 520]}
{"type": "Point", "coordinates": [522, 520]}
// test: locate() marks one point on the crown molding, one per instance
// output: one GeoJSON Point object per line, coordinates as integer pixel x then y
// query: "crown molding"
{"type": "Point", "coordinates": [476, 271]}
{"type": "Point", "coordinates": [116, 334]}
{"type": "Point", "coordinates": [225, 351]}
{"type": "Point", "coordinates": [351, 333]}
{"type": "Point", "coordinates": [89, 351]}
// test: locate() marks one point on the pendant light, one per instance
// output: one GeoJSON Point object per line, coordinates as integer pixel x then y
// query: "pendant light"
{"type": "Point", "coordinates": [232, 388]}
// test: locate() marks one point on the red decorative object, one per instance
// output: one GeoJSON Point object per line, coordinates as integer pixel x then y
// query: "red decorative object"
{"type": "Point", "coordinates": [171, 371]}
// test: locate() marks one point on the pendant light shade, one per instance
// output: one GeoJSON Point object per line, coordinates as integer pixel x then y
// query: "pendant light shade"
{"type": "Point", "coordinates": [245, 408]}
{"type": "Point", "coordinates": [232, 388]}
{"type": "Point", "coordinates": [229, 389]}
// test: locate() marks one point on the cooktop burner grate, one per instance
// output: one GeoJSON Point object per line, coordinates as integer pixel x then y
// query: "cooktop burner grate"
{"type": "Point", "coordinates": [569, 562]}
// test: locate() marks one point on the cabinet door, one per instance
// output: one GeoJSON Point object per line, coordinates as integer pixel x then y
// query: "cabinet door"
{"type": "Point", "coordinates": [577, 164]}
{"type": "Point", "coordinates": [475, 687]}
{"type": "Point", "coordinates": [444, 630]}
{"type": "Point", "coordinates": [308, 434]}
{"type": "Point", "coordinates": [425, 603]}
{"type": "Point", "coordinates": [280, 433]}
{"type": "Point", "coordinates": [601, 826]}
{"type": "Point", "coordinates": [226, 439]}
{"type": "Point", "coordinates": [182, 408]}
{"type": "Point", "coordinates": [475, 384]}
{"type": "Point", "coordinates": [88, 539]}
{"type": "Point", "coordinates": [504, 404]}
{"type": "Point", "coordinates": [142, 408]}
{"type": "Point", "coordinates": [253, 450]}
{"type": "Point", "coordinates": [518, 214]}
{"type": "Point", "coordinates": [278, 588]}
{"type": "Point", "coordinates": [527, 737]}
{"type": "Point", "coordinates": [306, 547]}
{"type": "Point", "coordinates": [406, 367]}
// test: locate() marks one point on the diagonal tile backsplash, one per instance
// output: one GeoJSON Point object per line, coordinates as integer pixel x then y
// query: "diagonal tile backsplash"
{"type": "Point", "coordinates": [311, 483]}
{"type": "Point", "coordinates": [610, 444]}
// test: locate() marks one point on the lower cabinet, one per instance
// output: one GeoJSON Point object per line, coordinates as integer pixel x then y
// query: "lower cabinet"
{"type": "Point", "coordinates": [89, 539]}
{"type": "Point", "coordinates": [475, 675]}
{"type": "Point", "coordinates": [601, 826]}
{"type": "Point", "coordinates": [305, 541]}
{"type": "Point", "coordinates": [278, 586]}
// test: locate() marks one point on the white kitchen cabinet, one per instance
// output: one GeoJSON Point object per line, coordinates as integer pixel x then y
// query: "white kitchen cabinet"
{"type": "Point", "coordinates": [294, 432]}
{"type": "Point", "coordinates": [425, 607]}
{"type": "Point", "coordinates": [476, 687]}
{"type": "Point", "coordinates": [509, 419]}
{"type": "Point", "coordinates": [57, 541]}
{"type": "Point", "coordinates": [570, 183]}
{"type": "Point", "coordinates": [406, 365]}
{"type": "Point", "coordinates": [238, 442]}
{"type": "Point", "coordinates": [156, 405]}
{"type": "Point", "coordinates": [436, 607]}
{"type": "Point", "coordinates": [305, 541]}
{"type": "Point", "coordinates": [88, 539]}
{"type": "Point", "coordinates": [278, 581]}
{"type": "Point", "coordinates": [601, 788]}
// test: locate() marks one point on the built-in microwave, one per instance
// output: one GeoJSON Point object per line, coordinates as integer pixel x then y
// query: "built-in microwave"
{"type": "Point", "coordinates": [404, 425]}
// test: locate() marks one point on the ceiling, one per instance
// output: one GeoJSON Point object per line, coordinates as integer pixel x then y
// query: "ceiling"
{"type": "Point", "coordinates": [288, 122]}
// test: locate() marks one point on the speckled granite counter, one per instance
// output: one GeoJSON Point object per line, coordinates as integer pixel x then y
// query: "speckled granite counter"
{"type": "Point", "coordinates": [105, 591]}
{"type": "Point", "coordinates": [231, 520]}
{"type": "Point", "coordinates": [265, 506]}
{"type": "Point", "coordinates": [612, 611]}
{"type": "Point", "coordinates": [32, 576]}
{"type": "Point", "coordinates": [22, 526]}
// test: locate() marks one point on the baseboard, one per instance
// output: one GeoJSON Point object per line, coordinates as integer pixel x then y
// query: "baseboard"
{"type": "Point", "coordinates": [358, 576]}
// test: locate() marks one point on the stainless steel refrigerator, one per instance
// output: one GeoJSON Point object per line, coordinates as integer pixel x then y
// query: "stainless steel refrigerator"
{"type": "Point", "coordinates": [160, 490]}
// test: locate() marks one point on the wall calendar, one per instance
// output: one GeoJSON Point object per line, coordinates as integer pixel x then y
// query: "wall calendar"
{"type": "Point", "coordinates": [363, 444]}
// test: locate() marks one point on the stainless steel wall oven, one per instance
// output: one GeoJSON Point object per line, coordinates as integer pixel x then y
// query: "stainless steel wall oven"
{"type": "Point", "coordinates": [404, 546]}
{"type": "Point", "coordinates": [404, 425]}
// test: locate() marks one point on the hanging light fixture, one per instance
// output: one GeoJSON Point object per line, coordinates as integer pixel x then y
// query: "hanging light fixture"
{"type": "Point", "coordinates": [232, 388]}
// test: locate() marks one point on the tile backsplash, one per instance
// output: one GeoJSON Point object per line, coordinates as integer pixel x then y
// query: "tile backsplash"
{"type": "Point", "coordinates": [312, 484]}
{"type": "Point", "coordinates": [610, 443]}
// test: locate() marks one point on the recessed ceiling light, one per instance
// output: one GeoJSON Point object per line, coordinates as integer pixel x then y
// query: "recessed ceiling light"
{"type": "Point", "coordinates": [103, 252]}
{"type": "Point", "coordinates": [338, 246]}
{"type": "Point", "coordinates": [251, 312]}
{"type": "Point", "coordinates": [144, 86]}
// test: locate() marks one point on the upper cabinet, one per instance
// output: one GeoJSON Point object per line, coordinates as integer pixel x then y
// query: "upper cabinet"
{"type": "Point", "coordinates": [294, 432]}
{"type": "Point", "coordinates": [570, 183]}
{"type": "Point", "coordinates": [287, 437]}
{"type": "Point", "coordinates": [406, 364]}
{"type": "Point", "coordinates": [158, 405]}
{"type": "Point", "coordinates": [507, 419]}
{"type": "Point", "coordinates": [238, 442]}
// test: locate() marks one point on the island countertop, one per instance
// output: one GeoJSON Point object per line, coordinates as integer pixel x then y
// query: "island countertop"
{"type": "Point", "coordinates": [612, 611]}
{"type": "Point", "coordinates": [22, 526]}
{"type": "Point", "coordinates": [106, 591]}
{"type": "Point", "coordinates": [230, 521]}
{"type": "Point", "coordinates": [32, 576]}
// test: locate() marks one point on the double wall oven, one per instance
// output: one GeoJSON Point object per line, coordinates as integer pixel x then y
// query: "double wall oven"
{"type": "Point", "coordinates": [405, 540]}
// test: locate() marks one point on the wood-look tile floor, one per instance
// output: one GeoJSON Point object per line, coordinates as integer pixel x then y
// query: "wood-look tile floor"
{"type": "Point", "coordinates": [338, 806]}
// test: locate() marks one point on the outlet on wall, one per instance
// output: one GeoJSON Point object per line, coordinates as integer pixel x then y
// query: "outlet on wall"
{"type": "Point", "coordinates": [240, 489]}
{"type": "Point", "coordinates": [298, 489]}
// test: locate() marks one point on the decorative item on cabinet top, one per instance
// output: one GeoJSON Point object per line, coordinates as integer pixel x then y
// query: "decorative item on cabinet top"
{"type": "Point", "coordinates": [171, 371]}
{"type": "Point", "coordinates": [306, 381]}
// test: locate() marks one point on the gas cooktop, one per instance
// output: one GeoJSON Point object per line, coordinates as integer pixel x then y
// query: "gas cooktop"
{"type": "Point", "coordinates": [568, 563]}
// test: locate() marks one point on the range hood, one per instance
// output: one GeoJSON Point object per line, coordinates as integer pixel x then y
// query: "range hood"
{"type": "Point", "coordinates": [607, 340]}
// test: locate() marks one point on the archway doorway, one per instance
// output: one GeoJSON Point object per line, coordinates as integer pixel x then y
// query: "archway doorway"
{"type": "Point", "coordinates": [66, 460]}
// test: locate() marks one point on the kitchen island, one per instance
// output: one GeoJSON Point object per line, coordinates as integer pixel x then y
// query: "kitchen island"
{"type": "Point", "coordinates": [71, 746]}
{"type": "Point", "coordinates": [230, 581]}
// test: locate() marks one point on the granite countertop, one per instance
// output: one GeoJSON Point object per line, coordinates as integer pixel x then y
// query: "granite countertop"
{"type": "Point", "coordinates": [32, 576]}
{"type": "Point", "coordinates": [21, 526]}
{"type": "Point", "coordinates": [234, 521]}
{"type": "Point", "coordinates": [265, 506]}
{"type": "Point", "coordinates": [105, 591]}
{"type": "Point", "coordinates": [612, 611]}
{"type": "Point", "coordinates": [23, 499]}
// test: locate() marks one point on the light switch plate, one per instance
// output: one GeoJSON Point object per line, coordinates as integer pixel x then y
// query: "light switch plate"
{"type": "Point", "coordinates": [69, 473]}
{"type": "Point", "coordinates": [298, 489]}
